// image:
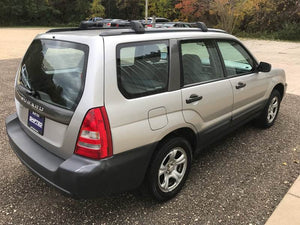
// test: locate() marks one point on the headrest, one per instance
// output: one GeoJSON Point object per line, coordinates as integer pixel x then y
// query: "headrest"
{"type": "Point", "coordinates": [191, 58]}
{"type": "Point", "coordinates": [148, 52]}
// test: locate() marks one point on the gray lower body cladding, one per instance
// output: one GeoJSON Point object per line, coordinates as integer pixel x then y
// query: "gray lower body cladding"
{"type": "Point", "coordinates": [81, 177]}
{"type": "Point", "coordinates": [78, 176]}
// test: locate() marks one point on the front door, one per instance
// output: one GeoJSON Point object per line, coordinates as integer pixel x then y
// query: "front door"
{"type": "Point", "coordinates": [207, 97]}
{"type": "Point", "coordinates": [249, 87]}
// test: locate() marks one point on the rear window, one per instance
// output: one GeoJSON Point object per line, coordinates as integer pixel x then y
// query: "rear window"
{"type": "Point", "coordinates": [143, 68]}
{"type": "Point", "coordinates": [55, 71]}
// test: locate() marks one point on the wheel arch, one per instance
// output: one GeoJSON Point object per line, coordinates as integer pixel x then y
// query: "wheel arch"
{"type": "Point", "coordinates": [280, 88]}
{"type": "Point", "coordinates": [184, 132]}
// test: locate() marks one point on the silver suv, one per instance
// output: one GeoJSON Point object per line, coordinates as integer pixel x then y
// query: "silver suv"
{"type": "Point", "coordinates": [106, 110]}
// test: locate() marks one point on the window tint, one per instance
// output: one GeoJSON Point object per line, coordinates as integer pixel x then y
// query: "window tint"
{"type": "Point", "coordinates": [236, 59]}
{"type": "Point", "coordinates": [200, 62]}
{"type": "Point", "coordinates": [142, 68]}
{"type": "Point", "coordinates": [55, 70]}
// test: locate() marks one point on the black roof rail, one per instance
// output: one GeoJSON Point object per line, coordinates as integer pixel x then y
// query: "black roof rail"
{"type": "Point", "coordinates": [114, 32]}
{"type": "Point", "coordinates": [63, 29]}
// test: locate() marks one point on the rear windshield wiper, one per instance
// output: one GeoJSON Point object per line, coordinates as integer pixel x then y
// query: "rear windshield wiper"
{"type": "Point", "coordinates": [26, 84]}
{"type": "Point", "coordinates": [32, 93]}
{"type": "Point", "coordinates": [24, 77]}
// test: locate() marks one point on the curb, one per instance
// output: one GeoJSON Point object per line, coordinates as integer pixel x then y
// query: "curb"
{"type": "Point", "coordinates": [288, 210]}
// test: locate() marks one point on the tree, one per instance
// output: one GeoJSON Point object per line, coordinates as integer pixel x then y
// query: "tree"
{"type": "Point", "coordinates": [97, 9]}
{"type": "Point", "coordinates": [131, 9]}
{"type": "Point", "coordinates": [111, 10]}
{"type": "Point", "coordinates": [269, 15]}
{"type": "Point", "coordinates": [82, 9]}
{"type": "Point", "coordinates": [163, 8]}
{"type": "Point", "coordinates": [228, 13]}
{"type": "Point", "coordinates": [193, 10]}
{"type": "Point", "coordinates": [232, 15]}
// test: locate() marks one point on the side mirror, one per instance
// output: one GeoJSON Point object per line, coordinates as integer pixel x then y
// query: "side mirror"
{"type": "Point", "coordinates": [264, 67]}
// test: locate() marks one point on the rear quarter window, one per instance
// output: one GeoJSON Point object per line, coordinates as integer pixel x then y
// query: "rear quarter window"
{"type": "Point", "coordinates": [142, 68]}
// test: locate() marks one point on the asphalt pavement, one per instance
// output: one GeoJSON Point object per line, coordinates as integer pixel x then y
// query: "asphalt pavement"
{"type": "Point", "coordinates": [239, 180]}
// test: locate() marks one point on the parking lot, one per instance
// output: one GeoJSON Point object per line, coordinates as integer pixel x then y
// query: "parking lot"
{"type": "Point", "coordinates": [239, 180]}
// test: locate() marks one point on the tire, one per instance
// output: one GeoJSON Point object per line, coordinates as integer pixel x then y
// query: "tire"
{"type": "Point", "coordinates": [270, 112]}
{"type": "Point", "coordinates": [169, 169]}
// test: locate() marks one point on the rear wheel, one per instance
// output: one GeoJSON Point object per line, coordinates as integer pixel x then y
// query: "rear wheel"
{"type": "Point", "coordinates": [169, 169]}
{"type": "Point", "coordinates": [270, 111]}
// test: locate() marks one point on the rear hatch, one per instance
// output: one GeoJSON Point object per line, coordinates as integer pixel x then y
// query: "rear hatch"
{"type": "Point", "coordinates": [49, 86]}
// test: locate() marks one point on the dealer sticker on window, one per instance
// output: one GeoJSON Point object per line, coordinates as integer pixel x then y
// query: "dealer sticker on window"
{"type": "Point", "coordinates": [36, 122]}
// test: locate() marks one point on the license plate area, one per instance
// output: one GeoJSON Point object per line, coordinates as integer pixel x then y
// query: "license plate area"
{"type": "Point", "coordinates": [36, 122]}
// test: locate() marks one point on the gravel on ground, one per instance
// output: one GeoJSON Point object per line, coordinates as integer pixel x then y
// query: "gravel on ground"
{"type": "Point", "coordinates": [239, 180]}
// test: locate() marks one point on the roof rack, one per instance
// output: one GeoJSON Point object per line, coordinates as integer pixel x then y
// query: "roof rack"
{"type": "Point", "coordinates": [133, 27]}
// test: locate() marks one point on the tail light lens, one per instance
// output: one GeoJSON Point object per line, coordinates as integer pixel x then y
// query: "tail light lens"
{"type": "Point", "coordinates": [94, 140]}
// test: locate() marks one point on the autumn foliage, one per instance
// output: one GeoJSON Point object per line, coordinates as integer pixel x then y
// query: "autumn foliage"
{"type": "Point", "coordinates": [230, 15]}
{"type": "Point", "coordinates": [191, 10]}
{"type": "Point", "coordinates": [242, 15]}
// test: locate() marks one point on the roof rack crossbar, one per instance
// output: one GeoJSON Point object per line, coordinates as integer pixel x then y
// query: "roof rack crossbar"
{"type": "Point", "coordinates": [202, 26]}
{"type": "Point", "coordinates": [137, 27]}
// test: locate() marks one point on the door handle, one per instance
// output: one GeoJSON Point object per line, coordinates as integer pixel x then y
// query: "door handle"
{"type": "Point", "coordinates": [193, 98]}
{"type": "Point", "coordinates": [240, 85]}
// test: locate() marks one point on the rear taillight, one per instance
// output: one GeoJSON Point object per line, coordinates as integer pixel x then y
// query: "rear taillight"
{"type": "Point", "coordinates": [148, 25]}
{"type": "Point", "coordinates": [94, 140]}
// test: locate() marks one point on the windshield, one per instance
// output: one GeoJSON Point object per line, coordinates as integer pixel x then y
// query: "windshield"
{"type": "Point", "coordinates": [55, 71]}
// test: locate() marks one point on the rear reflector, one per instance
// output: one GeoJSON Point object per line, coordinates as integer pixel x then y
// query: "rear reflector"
{"type": "Point", "coordinates": [94, 140]}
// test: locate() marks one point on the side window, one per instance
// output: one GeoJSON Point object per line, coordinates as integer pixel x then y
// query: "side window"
{"type": "Point", "coordinates": [237, 61]}
{"type": "Point", "coordinates": [142, 68]}
{"type": "Point", "coordinates": [200, 62]}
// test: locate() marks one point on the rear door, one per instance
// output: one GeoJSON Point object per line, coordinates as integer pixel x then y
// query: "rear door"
{"type": "Point", "coordinates": [207, 97]}
{"type": "Point", "coordinates": [140, 107]}
{"type": "Point", "coordinates": [249, 87]}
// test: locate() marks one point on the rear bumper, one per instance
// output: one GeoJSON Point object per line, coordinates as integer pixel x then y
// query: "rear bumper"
{"type": "Point", "coordinates": [78, 176]}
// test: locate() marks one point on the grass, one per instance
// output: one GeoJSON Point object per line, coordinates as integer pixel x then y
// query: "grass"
{"type": "Point", "coordinates": [268, 36]}
{"type": "Point", "coordinates": [289, 32]}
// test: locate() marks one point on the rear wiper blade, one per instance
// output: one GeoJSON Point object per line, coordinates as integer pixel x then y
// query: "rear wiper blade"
{"type": "Point", "coordinates": [32, 93]}
{"type": "Point", "coordinates": [35, 94]}
{"type": "Point", "coordinates": [24, 77]}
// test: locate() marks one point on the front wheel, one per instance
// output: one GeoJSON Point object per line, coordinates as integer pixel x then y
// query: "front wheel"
{"type": "Point", "coordinates": [169, 169]}
{"type": "Point", "coordinates": [270, 111]}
